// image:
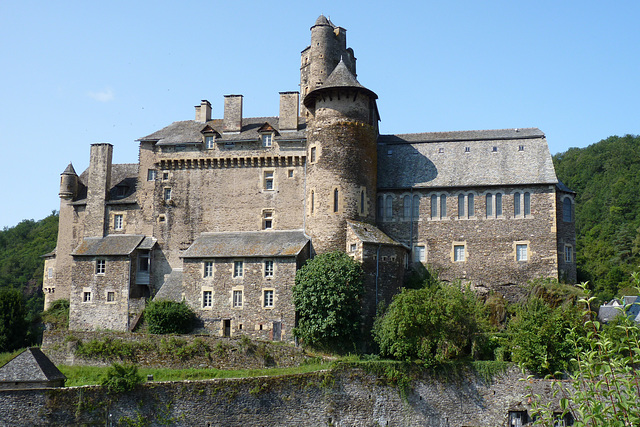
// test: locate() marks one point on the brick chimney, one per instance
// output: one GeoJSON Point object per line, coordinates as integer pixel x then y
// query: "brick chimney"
{"type": "Point", "coordinates": [232, 113]}
{"type": "Point", "coordinates": [289, 107]}
{"type": "Point", "coordinates": [203, 111]}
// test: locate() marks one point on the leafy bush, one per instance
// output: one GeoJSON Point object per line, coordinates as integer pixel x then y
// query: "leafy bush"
{"type": "Point", "coordinates": [169, 317]}
{"type": "Point", "coordinates": [57, 315]}
{"type": "Point", "coordinates": [121, 378]}
{"type": "Point", "coordinates": [433, 324]}
{"type": "Point", "coordinates": [108, 348]}
{"type": "Point", "coordinates": [327, 299]}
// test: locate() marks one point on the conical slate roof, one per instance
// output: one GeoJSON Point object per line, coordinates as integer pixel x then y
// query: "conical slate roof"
{"type": "Point", "coordinates": [69, 170]}
{"type": "Point", "coordinates": [340, 77]}
{"type": "Point", "coordinates": [32, 365]}
{"type": "Point", "coordinates": [322, 20]}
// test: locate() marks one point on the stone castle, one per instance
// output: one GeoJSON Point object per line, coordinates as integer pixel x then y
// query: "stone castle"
{"type": "Point", "coordinates": [221, 213]}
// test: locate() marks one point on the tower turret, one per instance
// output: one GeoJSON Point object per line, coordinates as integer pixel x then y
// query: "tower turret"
{"type": "Point", "coordinates": [68, 183]}
{"type": "Point", "coordinates": [342, 131]}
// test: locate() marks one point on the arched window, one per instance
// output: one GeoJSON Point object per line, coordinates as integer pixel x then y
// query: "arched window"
{"type": "Point", "coordinates": [313, 201]}
{"type": "Point", "coordinates": [362, 201]}
{"type": "Point", "coordinates": [406, 205]}
{"type": "Point", "coordinates": [416, 207]}
{"type": "Point", "coordinates": [443, 206]}
{"type": "Point", "coordinates": [388, 205]}
{"type": "Point", "coordinates": [516, 204]}
{"type": "Point", "coordinates": [335, 200]}
{"type": "Point", "coordinates": [527, 204]}
{"type": "Point", "coordinates": [567, 211]}
{"type": "Point", "coordinates": [460, 205]}
{"type": "Point", "coordinates": [489, 205]}
{"type": "Point", "coordinates": [471, 205]}
{"type": "Point", "coordinates": [498, 204]}
{"type": "Point", "coordinates": [434, 206]}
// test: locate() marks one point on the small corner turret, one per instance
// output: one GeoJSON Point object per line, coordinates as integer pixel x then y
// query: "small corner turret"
{"type": "Point", "coordinates": [68, 183]}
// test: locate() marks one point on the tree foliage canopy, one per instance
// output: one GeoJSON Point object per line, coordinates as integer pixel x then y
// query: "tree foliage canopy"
{"type": "Point", "coordinates": [606, 179]}
{"type": "Point", "coordinates": [169, 317]}
{"type": "Point", "coordinates": [433, 324]}
{"type": "Point", "coordinates": [13, 323]}
{"type": "Point", "coordinates": [327, 299]}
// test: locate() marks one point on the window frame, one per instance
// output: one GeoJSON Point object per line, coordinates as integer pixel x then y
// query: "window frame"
{"type": "Point", "coordinates": [87, 296]}
{"type": "Point", "coordinates": [271, 300]}
{"type": "Point", "coordinates": [118, 222]}
{"type": "Point", "coordinates": [238, 269]}
{"type": "Point", "coordinates": [269, 268]}
{"type": "Point", "coordinates": [152, 174]}
{"type": "Point", "coordinates": [567, 209]}
{"type": "Point", "coordinates": [267, 219]}
{"type": "Point", "coordinates": [237, 299]}
{"type": "Point", "coordinates": [568, 250]}
{"type": "Point", "coordinates": [207, 299]}
{"type": "Point", "coordinates": [207, 272]}
{"type": "Point", "coordinates": [167, 194]}
{"type": "Point", "coordinates": [268, 180]}
{"type": "Point", "coordinates": [420, 253]}
{"type": "Point", "coordinates": [522, 256]}
{"type": "Point", "coordinates": [110, 297]}
{"type": "Point", "coordinates": [267, 140]}
{"type": "Point", "coordinates": [459, 252]}
{"type": "Point", "coordinates": [101, 267]}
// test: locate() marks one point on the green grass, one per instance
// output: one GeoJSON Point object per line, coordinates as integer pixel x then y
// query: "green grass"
{"type": "Point", "coordinates": [92, 375]}
{"type": "Point", "coordinates": [5, 357]}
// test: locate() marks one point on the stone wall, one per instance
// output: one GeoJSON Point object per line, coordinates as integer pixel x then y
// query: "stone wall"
{"type": "Point", "coordinates": [348, 397]}
{"type": "Point", "coordinates": [176, 352]}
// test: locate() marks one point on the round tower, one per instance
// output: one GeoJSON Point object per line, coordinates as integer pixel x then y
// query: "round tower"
{"type": "Point", "coordinates": [68, 183]}
{"type": "Point", "coordinates": [341, 158]}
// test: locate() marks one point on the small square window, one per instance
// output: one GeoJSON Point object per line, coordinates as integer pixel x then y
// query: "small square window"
{"type": "Point", "coordinates": [86, 296]}
{"type": "Point", "coordinates": [419, 253]}
{"type": "Point", "coordinates": [353, 247]}
{"type": "Point", "coordinates": [208, 269]}
{"type": "Point", "coordinates": [101, 266]}
{"type": "Point", "coordinates": [520, 147]}
{"type": "Point", "coordinates": [267, 220]}
{"type": "Point", "coordinates": [237, 299]}
{"type": "Point", "coordinates": [167, 194]}
{"type": "Point", "coordinates": [209, 142]}
{"type": "Point", "coordinates": [268, 268]}
{"type": "Point", "coordinates": [522, 252]}
{"type": "Point", "coordinates": [441, 150]}
{"type": "Point", "coordinates": [118, 222]}
{"type": "Point", "coordinates": [266, 140]}
{"type": "Point", "coordinates": [152, 174]}
{"type": "Point", "coordinates": [165, 176]}
{"type": "Point", "coordinates": [111, 296]}
{"type": "Point", "coordinates": [290, 173]}
{"type": "Point", "coordinates": [238, 268]}
{"type": "Point", "coordinates": [494, 149]}
{"type": "Point", "coordinates": [268, 299]}
{"type": "Point", "coordinates": [467, 149]}
{"type": "Point", "coordinates": [458, 253]}
{"type": "Point", "coordinates": [207, 299]}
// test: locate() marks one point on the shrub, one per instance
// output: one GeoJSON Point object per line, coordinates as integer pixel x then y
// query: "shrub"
{"type": "Point", "coordinates": [57, 315]}
{"type": "Point", "coordinates": [169, 317]}
{"type": "Point", "coordinates": [121, 378]}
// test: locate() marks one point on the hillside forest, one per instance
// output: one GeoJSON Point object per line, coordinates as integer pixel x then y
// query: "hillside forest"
{"type": "Point", "coordinates": [605, 176]}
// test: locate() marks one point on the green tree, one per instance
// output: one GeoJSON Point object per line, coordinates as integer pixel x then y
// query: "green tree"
{"type": "Point", "coordinates": [169, 317]}
{"type": "Point", "coordinates": [433, 324]}
{"type": "Point", "coordinates": [121, 378]}
{"type": "Point", "coordinates": [327, 296]}
{"type": "Point", "coordinates": [537, 336]}
{"type": "Point", "coordinates": [13, 325]}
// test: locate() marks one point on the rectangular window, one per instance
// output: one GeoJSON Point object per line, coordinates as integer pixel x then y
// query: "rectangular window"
{"type": "Point", "coordinates": [312, 155]}
{"type": "Point", "coordinates": [165, 176]}
{"type": "Point", "coordinates": [419, 253]}
{"type": "Point", "coordinates": [290, 172]}
{"type": "Point", "coordinates": [522, 252]}
{"type": "Point", "coordinates": [266, 140]}
{"type": "Point", "coordinates": [208, 141]}
{"type": "Point", "coordinates": [118, 222]}
{"type": "Point", "coordinates": [111, 296]}
{"type": "Point", "coordinates": [167, 194]}
{"type": "Point", "coordinates": [458, 253]}
{"type": "Point", "coordinates": [86, 296]}
{"type": "Point", "coordinates": [353, 247]}
{"type": "Point", "coordinates": [152, 174]}
{"type": "Point", "coordinates": [101, 266]}
{"type": "Point", "coordinates": [268, 298]}
{"type": "Point", "coordinates": [207, 299]}
{"type": "Point", "coordinates": [49, 273]}
{"type": "Point", "coordinates": [268, 180]}
{"type": "Point", "coordinates": [237, 298]}
{"type": "Point", "coordinates": [268, 268]}
{"type": "Point", "coordinates": [238, 268]}
{"type": "Point", "coordinates": [267, 220]}
{"type": "Point", "coordinates": [568, 254]}
{"type": "Point", "coordinates": [208, 269]}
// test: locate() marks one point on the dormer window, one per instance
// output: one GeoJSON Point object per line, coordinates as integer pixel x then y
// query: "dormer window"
{"type": "Point", "coordinates": [209, 142]}
{"type": "Point", "coordinates": [266, 140]}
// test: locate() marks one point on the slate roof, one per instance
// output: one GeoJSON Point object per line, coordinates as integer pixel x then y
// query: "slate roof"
{"type": "Point", "coordinates": [171, 289]}
{"type": "Point", "coordinates": [190, 131]}
{"type": "Point", "coordinates": [113, 244]}
{"type": "Point", "coordinates": [465, 159]}
{"type": "Point", "coordinates": [247, 244]}
{"type": "Point", "coordinates": [123, 174]}
{"type": "Point", "coordinates": [32, 365]}
{"type": "Point", "coordinates": [340, 77]}
{"type": "Point", "coordinates": [629, 305]}
{"type": "Point", "coordinates": [368, 233]}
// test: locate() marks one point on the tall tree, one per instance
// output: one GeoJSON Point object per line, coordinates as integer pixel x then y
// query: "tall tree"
{"type": "Point", "coordinates": [13, 323]}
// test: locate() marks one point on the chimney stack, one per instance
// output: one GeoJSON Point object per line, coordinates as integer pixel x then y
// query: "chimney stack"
{"type": "Point", "coordinates": [232, 113]}
{"type": "Point", "coordinates": [203, 111]}
{"type": "Point", "coordinates": [289, 107]}
{"type": "Point", "coordinates": [98, 187]}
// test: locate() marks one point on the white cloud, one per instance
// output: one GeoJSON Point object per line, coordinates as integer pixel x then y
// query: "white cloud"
{"type": "Point", "coordinates": [104, 95]}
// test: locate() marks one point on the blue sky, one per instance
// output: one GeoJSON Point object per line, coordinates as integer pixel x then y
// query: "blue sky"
{"type": "Point", "coordinates": [74, 73]}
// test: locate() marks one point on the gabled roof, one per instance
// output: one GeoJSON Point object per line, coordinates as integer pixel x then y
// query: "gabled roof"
{"type": "Point", "coordinates": [32, 365]}
{"type": "Point", "coordinates": [247, 244]}
{"type": "Point", "coordinates": [368, 233]}
{"type": "Point", "coordinates": [465, 159]}
{"type": "Point", "coordinates": [171, 289]}
{"type": "Point", "coordinates": [113, 244]}
{"type": "Point", "coordinates": [121, 174]}
{"type": "Point", "coordinates": [190, 131]}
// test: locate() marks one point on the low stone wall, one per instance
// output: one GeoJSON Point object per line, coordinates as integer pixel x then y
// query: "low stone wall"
{"type": "Point", "coordinates": [346, 397]}
{"type": "Point", "coordinates": [176, 351]}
